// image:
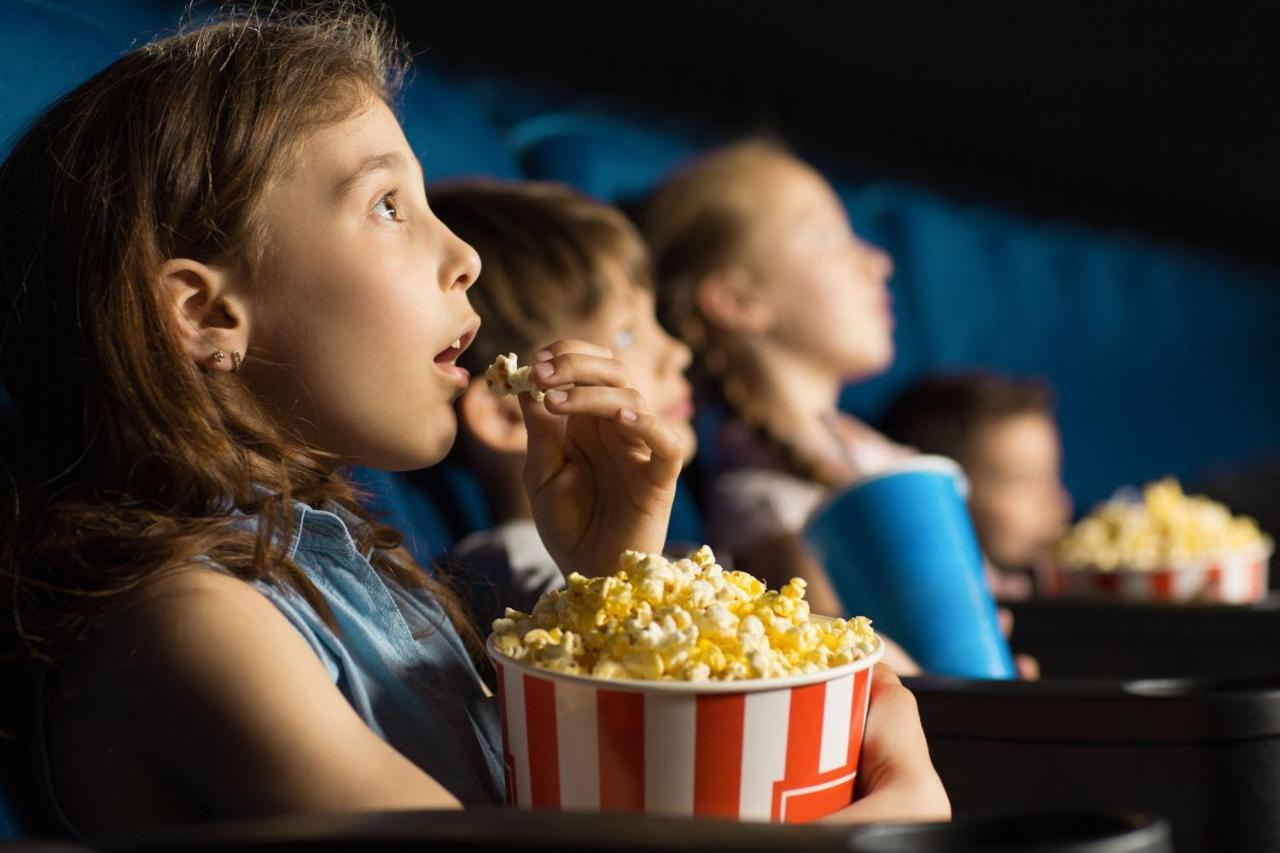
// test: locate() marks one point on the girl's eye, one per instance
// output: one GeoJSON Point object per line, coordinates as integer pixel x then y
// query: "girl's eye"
{"type": "Point", "coordinates": [387, 207]}
{"type": "Point", "coordinates": [624, 338]}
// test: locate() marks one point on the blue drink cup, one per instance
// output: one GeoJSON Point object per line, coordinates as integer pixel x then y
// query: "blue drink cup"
{"type": "Point", "coordinates": [900, 549]}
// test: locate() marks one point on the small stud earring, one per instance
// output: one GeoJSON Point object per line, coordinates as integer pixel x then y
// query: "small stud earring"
{"type": "Point", "coordinates": [236, 361]}
{"type": "Point", "coordinates": [218, 356]}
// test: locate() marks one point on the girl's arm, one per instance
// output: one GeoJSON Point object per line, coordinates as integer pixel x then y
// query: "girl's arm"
{"type": "Point", "coordinates": [210, 686]}
{"type": "Point", "coordinates": [601, 468]}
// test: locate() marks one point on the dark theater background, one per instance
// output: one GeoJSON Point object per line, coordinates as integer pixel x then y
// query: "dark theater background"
{"type": "Point", "coordinates": [1087, 194]}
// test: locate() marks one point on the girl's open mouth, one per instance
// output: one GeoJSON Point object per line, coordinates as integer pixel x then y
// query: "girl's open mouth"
{"type": "Point", "coordinates": [446, 358]}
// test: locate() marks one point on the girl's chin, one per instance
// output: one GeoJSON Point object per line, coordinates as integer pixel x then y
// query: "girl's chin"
{"type": "Point", "coordinates": [429, 446]}
{"type": "Point", "coordinates": [866, 365]}
{"type": "Point", "coordinates": [879, 358]}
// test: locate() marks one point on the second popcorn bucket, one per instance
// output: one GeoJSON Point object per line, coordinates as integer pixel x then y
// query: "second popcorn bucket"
{"type": "Point", "coordinates": [680, 688]}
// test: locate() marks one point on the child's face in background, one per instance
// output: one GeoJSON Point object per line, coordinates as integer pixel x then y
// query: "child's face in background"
{"type": "Point", "coordinates": [828, 289]}
{"type": "Point", "coordinates": [627, 324]}
{"type": "Point", "coordinates": [360, 295]}
{"type": "Point", "coordinates": [1017, 499]}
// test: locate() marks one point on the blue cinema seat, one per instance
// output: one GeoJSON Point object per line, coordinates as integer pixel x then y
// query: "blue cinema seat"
{"type": "Point", "coordinates": [15, 814]}
{"type": "Point", "coordinates": [135, 22]}
{"type": "Point", "coordinates": [450, 134]}
{"type": "Point", "coordinates": [610, 158]}
{"type": "Point", "coordinates": [1158, 354]}
{"type": "Point", "coordinates": [45, 52]}
{"type": "Point", "coordinates": [436, 507]}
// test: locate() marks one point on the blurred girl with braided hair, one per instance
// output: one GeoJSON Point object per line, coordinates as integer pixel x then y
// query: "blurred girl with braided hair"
{"type": "Point", "coordinates": [783, 304]}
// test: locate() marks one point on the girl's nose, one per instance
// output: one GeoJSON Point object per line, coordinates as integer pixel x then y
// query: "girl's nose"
{"type": "Point", "coordinates": [680, 356]}
{"type": "Point", "coordinates": [878, 262]}
{"type": "Point", "coordinates": [462, 267]}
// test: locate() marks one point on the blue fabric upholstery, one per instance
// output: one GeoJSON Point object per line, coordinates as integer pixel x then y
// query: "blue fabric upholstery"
{"type": "Point", "coordinates": [1158, 355]}
{"type": "Point", "coordinates": [410, 510]}
{"type": "Point", "coordinates": [436, 507]}
{"type": "Point", "coordinates": [686, 519]}
{"type": "Point", "coordinates": [45, 51]}
{"type": "Point", "coordinates": [134, 22]}
{"type": "Point", "coordinates": [450, 135]}
{"type": "Point", "coordinates": [11, 823]}
{"type": "Point", "coordinates": [608, 158]}
{"type": "Point", "coordinates": [17, 814]}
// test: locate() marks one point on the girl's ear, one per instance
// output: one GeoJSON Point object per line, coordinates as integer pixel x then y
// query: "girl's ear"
{"type": "Point", "coordinates": [731, 301]}
{"type": "Point", "coordinates": [493, 420]}
{"type": "Point", "coordinates": [209, 314]}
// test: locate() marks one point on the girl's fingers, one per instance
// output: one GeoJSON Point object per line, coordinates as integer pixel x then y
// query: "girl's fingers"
{"type": "Point", "coordinates": [580, 369]}
{"type": "Point", "coordinates": [545, 455]}
{"type": "Point", "coordinates": [595, 401]}
{"type": "Point", "coordinates": [894, 745]}
{"type": "Point", "coordinates": [666, 449]}
{"type": "Point", "coordinates": [571, 345]}
{"type": "Point", "coordinates": [896, 779]}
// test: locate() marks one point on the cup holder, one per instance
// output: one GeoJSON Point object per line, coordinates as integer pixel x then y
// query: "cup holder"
{"type": "Point", "coordinates": [1046, 833]}
{"type": "Point", "coordinates": [1203, 688]}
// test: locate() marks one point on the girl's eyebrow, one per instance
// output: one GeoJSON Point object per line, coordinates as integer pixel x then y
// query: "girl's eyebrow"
{"type": "Point", "coordinates": [388, 161]}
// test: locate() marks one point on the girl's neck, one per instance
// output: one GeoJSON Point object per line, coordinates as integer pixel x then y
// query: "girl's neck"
{"type": "Point", "coordinates": [798, 395]}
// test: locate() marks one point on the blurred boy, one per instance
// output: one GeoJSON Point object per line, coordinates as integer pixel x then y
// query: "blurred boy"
{"type": "Point", "coordinates": [1004, 435]}
{"type": "Point", "coordinates": [555, 265]}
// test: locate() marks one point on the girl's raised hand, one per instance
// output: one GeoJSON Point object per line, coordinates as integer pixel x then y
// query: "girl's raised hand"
{"type": "Point", "coordinates": [601, 468]}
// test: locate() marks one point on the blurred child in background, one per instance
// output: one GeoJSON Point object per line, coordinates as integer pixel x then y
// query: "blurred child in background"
{"type": "Point", "coordinates": [1005, 437]}
{"type": "Point", "coordinates": [759, 270]}
{"type": "Point", "coordinates": [556, 265]}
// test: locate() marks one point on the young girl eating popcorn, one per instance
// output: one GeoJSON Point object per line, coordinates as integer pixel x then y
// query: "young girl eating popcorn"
{"type": "Point", "coordinates": [223, 283]}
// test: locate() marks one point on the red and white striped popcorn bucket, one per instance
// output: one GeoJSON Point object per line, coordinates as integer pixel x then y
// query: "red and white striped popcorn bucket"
{"type": "Point", "coordinates": [781, 749]}
{"type": "Point", "coordinates": [1239, 578]}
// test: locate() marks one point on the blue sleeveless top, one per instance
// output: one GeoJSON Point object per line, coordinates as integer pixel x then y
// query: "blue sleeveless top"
{"type": "Point", "coordinates": [396, 658]}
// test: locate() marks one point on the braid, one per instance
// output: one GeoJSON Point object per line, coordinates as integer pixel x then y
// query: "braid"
{"type": "Point", "coordinates": [697, 223]}
{"type": "Point", "coordinates": [716, 372]}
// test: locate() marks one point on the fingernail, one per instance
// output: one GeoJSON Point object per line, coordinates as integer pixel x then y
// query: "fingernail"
{"type": "Point", "coordinates": [557, 396]}
{"type": "Point", "coordinates": [542, 355]}
{"type": "Point", "coordinates": [627, 415]}
{"type": "Point", "coordinates": [545, 369]}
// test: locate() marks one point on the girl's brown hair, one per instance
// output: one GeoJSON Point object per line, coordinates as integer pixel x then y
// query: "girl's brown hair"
{"type": "Point", "coordinates": [127, 458]}
{"type": "Point", "coordinates": [548, 252]}
{"type": "Point", "coordinates": [697, 223]}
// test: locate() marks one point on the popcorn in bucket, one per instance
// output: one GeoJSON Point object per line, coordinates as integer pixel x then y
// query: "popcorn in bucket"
{"type": "Point", "coordinates": [1166, 547]}
{"type": "Point", "coordinates": [1239, 578]}
{"type": "Point", "coordinates": [752, 710]}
